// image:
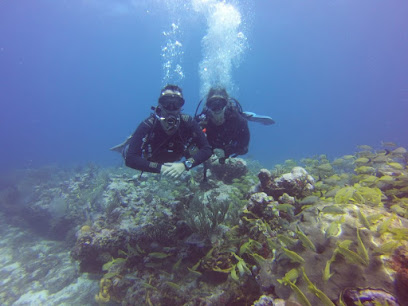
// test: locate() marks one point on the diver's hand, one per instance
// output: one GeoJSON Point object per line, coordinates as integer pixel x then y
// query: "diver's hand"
{"type": "Point", "coordinates": [173, 170]}
{"type": "Point", "coordinates": [218, 154]}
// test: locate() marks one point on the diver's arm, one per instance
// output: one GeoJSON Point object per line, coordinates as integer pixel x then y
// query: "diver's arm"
{"type": "Point", "coordinates": [134, 157]}
{"type": "Point", "coordinates": [201, 141]}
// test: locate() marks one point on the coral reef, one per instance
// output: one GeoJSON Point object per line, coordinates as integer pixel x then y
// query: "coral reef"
{"type": "Point", "coordinates": [298, 183]}
{"type": "Point", "coordinates": [233, 168]}
{"type": "Point", "coordinates": [313, 232]}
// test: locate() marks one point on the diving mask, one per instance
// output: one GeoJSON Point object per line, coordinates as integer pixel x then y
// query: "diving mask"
{"type": "Point", "coordinates": [171, 102]}
{"type": "Point", "coordinates": [216, 103]}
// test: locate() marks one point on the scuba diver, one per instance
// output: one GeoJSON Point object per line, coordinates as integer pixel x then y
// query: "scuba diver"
{"type": "Point", "coordinates": [226, 124]}
{"type": "Point", "coordinates": [165, 137]}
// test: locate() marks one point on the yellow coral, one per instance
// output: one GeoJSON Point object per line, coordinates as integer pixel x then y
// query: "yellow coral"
{"type": "Point", "coordinates": [85, 229]}
{"type": "Point", "coordinates": [103, 296]}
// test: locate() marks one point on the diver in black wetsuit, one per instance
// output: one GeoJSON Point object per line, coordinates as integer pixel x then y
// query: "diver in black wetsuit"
{"type": "Point", "coordinates": [225, 125]}
{"type": "Point", "coordinates": [164, 138]}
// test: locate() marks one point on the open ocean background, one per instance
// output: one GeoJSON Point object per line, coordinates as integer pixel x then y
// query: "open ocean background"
{"type": "Point", "coordinates": [77, 77]}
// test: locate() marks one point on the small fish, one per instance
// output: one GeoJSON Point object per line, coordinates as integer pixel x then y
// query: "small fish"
{"type": "Point", "coordinates": [399, 151]}
{"type": "Point", "coordinates": [148, 301]}
{"type": "Point", "coordinates": [380, 158]}
{"type": "Point", "coordinates": [228, 270]}
{"type": "Point", "coordinates": [334, 229]}
{"type": "Point", "coordinates": [246, 247]}
{"type": "Point", "coordinates": [388, 144]}
{"type": "Point", "coordinates": [350, 256]}
{"type": "Point", "coordinates": [194, 272]}
{"type": "Point", "coordinates": [386, 179]}
{"type": "Point", "coordinates": [290, 276]}
{"type": "Point", "coordinates": [400, 234]}
{"type": "Point", "coordinates": [309, 200]}
{"type": "Point", "coordinates": [158, 255]}
{"type": "Point", "coordinates": [326, 271]}
{"type": "Point", "coordinates": [316, 291]}
{"type": "Point", "coordinates": [287, 208]}
{"type": "Point", "coordinates": [375, 217]}
{"type": "Point", "coordinates": [234, 275]}
{"type": "Point", "coordinates": [364, 170]}
{"type": "Point", "coordinates": [271, 244]}
{"type": "Point", "coordinates": [362, 160]}
{"type": "Point", "coordinates": [258, 258]}
{"type": "Point", "coordinates": [365, 147]}
{"type": "Point", "coordinates": [386, 248]}
{"type": "Point", "coordinates": [153, 265]}
{"type": "Point", "coordinates": [173, 285]}
{"type": "Point", "coordinates": [307, 243]}
{"type": "Point", "coordinates": [110, 275]}
{"type": "Point", "coordinates": [195, 267]}
{"type": "Point", "coordinates": [369, 180]}
{"type": "Point", "coordinates": [338, 162]}
{"type": "Point", "coordinates": [302, 299]}
{"type": "Point", "coordinates": [341, 301]}
{"type": "Point", "coordinates": [293, 255]}
{"type": "Point", "coordinates": [114, 261]}
{"type": "Point", "coordinates": [345, 243]}
{"type": "Point", "coordinates": [325, 167]}
{"type": "Point", "coordinates": [249, 220]}
{"type": "Point", "coordinates": [396, 166]}
{"type": "Point", "coordinates": [286, 240]}
{"type": "Point", "coordinates": [361, 249]}
{"type": "Point", "coordinates": [241, 265]}
{"type": "Point", "coordinates": [177, 264]}
{"type": "Point", "coordinates": [348, 157]}
{"type": "Point", "coordinates": [268, 229]}
{"type": "Point", "coordinates": [398, 210]}
{"type": "Point", "coordinates": [148, 286]}
{"type": "Point", "coordinates": [333, 210]}
{"type": "Point", "coordinates": [363, 219]}
{"type": "Point", "coordinates": [385, 225]}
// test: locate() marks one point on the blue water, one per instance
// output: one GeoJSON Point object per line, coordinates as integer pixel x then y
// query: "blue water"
{"type": "Point", "coordinates": [77, 77]}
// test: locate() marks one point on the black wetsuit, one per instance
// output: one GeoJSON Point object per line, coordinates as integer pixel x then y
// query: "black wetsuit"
{"type": "Point", "coordinates": [232, 136]}
{"type": "Point", "coordinates": [150, 146]}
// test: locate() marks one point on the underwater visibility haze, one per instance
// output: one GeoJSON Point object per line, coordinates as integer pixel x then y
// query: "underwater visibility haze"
{"type": "Point", "coordinates": [315, 212]}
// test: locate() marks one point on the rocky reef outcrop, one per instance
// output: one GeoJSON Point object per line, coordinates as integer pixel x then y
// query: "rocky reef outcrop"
{"type": "Point", "coordinates": [298, 183]}
{"type": "Point", "coordinates": [232, 168]}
